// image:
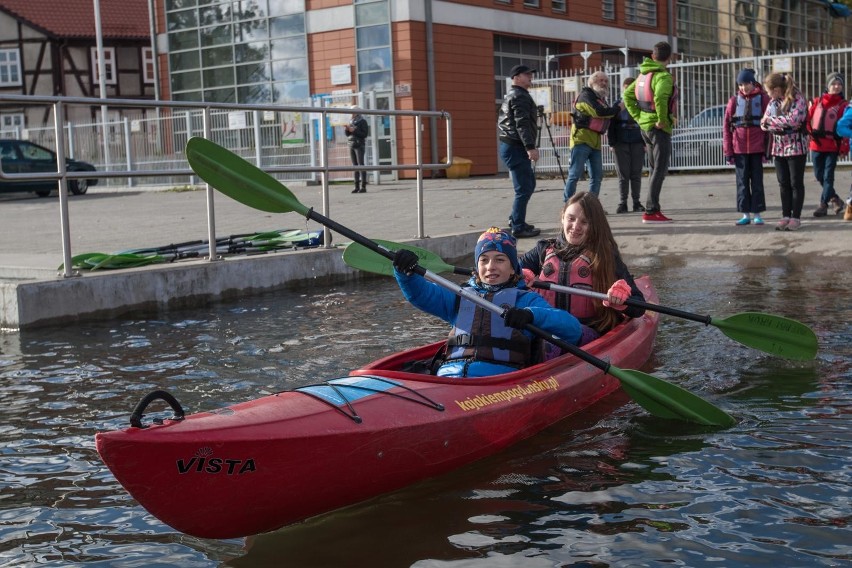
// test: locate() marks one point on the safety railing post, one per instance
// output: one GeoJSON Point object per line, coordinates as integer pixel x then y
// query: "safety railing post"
{"type": "Point", "coordinates": [418, 145]}
{"type": "Point", "coordinates": [211, 209]}
{"type": "Point", "coordinates": [64, 222]}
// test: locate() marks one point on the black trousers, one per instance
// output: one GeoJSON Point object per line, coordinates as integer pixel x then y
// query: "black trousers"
{"type": "Point", "coordinates": [356, 153]}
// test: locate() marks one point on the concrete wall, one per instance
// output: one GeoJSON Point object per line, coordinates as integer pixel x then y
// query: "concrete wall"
{"type": "Point", "coordinates": [106, 295]}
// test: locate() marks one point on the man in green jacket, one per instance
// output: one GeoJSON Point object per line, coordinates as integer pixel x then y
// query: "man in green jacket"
{"type": "Point", "coordinates": [590, 119]}
{"type": "Point", "coordinates": [651, 100]}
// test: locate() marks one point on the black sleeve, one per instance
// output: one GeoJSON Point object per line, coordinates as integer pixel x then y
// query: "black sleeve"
{"type": "Point", "coordinates": [612, 133]}
{"type": "Point", "coordinates": [532, 258]}
{"type": "Point", "coordinates": [525, 114]}
{"type": "Point", "coordinates": [622, 273]}
{"type": "Point", "coordinates": [362, 129]}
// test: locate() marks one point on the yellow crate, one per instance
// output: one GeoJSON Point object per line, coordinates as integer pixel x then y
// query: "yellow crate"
{"type": "Point", "coordinates": [460, 168]}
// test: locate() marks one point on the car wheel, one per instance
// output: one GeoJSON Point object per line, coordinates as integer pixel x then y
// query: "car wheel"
{"type": "Point", "coordinates": [78, 186]}
{"type": "Point", "coordinates": [43, 192]}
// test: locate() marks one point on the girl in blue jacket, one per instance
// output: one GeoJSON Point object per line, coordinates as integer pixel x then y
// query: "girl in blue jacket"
{"type": "Point", "coordinates": [482, 343]}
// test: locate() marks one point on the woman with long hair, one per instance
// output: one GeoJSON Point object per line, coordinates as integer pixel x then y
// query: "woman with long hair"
{"type": "Point", "coordinates": [585, 255]}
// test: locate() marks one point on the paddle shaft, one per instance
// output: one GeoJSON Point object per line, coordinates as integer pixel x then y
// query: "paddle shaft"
{"type": "Point", "coordinates": [629, 301]}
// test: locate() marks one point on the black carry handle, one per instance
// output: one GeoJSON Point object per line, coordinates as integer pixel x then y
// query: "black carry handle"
{"type": "Point", "coordinates": [138, 412]}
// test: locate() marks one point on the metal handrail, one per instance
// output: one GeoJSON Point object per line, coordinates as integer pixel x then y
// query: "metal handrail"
{"type": "Point", "coordinates": [323, 168]}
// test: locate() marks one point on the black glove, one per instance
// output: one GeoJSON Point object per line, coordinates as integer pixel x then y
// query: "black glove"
{"type": "Point", "coordinates": [404, 260]}
{"type": "Point", "coordinates": [518, 317]}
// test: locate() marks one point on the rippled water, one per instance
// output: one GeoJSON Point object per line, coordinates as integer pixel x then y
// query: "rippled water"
{"type": "Point", "coordinates": [609, 487]}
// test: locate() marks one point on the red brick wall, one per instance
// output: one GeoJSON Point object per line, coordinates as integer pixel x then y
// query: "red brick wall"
{"type": "Point", "coordinates": [464, 76]}
{"type": "Point", "coordinates": [327, 49]}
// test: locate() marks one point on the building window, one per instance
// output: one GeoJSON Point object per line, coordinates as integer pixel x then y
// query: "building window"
{"type": "Point", "coordinates": [559, 5]}
{"type": "Point", "coordinates": [373, 45]}
{"type": "Point", "coordinates": [510, 51]}
{"type": "Point", "coordinates": [247, 52]}
{"type": "Point", "coordinates": [608, 9]}
{"type": "Point", "coordinates": [642, 12]}
{"type": "Point", "coordinates": [109, 66]}
{"type": "Point", "coordinates": [148, 65]}
{"type": "Point", "coordinates": [10, 67]}
{"type": "Point", "coordinates": [532, 4]}
{"type": "Point", "coordinates": [11, 122]}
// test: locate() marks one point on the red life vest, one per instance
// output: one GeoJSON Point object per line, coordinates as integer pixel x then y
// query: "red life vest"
{"type": "Point", "coordinates": [748, 112]}
{"type": "Point", "coordinates": [824, 120]}
{"type": "Point", "coordinates": [645, 94]}
{"type": "Point", "coordinates": [594, 123]}
{"type": "Point", "coordinates": [577, 275]}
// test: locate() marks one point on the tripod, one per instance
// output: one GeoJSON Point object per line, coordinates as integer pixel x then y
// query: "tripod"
{"type": "Point", "coordinates": [542, 119]}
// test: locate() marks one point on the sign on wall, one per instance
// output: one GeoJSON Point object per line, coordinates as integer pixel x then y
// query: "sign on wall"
{"type": "Point", "coordinates": [341, 74]}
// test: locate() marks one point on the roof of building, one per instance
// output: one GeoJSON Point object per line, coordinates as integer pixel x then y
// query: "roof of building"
{"type": "Point", "coordinates": [120, 19]}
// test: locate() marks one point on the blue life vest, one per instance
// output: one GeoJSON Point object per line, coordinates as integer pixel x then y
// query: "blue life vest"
{"type": "Point", "coordinates": [748, 112]}
{"type": "Point", "coordinates": [479, 335]}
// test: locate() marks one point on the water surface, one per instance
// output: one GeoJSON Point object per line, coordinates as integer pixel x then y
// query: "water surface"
{"type": "Point", "coordinates": [609, 487]}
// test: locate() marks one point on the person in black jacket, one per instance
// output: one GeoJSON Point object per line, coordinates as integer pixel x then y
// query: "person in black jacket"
{"type": "Point", "coordinates": [518, 128]}
{"type": "Point", "coordinates": [357, 131]}
{"type": "Point", "coordinates": [628, 149]}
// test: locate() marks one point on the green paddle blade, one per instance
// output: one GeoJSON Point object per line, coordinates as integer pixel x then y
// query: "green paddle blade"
{"type": "Point", "coordinates": [362, 258]}
{"type": "Point", "coordinates": [773, 334]}
{"type": "Point", "coordinates": [98, 260]}
{"type": "Point", "coordinates": [666, 400]}
{"type": "Point", "coordinates": [239, 179]}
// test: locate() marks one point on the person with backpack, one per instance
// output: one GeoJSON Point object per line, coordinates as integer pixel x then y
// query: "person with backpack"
{"type": "Point", "coordinates": [357, 131]}
{"type": "Point", "coordinates": [826, 144]}
{"type": "Point", "coordinates": [651, 100]}
{"type": "Point", "coordinates": [745, 144]}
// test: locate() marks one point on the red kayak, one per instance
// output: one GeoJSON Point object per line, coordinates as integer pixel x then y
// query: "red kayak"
{"type": "Point", "coordinates": [260, 465]}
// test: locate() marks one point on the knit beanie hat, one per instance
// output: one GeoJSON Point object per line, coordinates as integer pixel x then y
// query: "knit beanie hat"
{"type": "Point", "coordinates": [832, 77]}
{"type": "Point", "coordinates": [746, 76]}
{"type": "Point", "coordinates": [501, 241]}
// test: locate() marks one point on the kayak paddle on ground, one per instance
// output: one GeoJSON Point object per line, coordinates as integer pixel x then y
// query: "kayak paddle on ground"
{"type": "Point", "coordinates": [244, 182]}
{"type": "Point", "coordinates": [771, 334]}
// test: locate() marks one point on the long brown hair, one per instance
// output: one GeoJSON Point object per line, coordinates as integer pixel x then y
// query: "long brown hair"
{"type": "Point", "coordinates": [601, 249]}
{"type": "Point", "coordinates": [785, 82]}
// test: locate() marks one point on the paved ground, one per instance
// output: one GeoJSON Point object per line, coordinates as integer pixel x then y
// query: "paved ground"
{"type": "Point", "coordinates": [702, 206]}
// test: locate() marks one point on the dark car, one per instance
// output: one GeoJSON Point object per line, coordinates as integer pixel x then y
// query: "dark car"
{"type": "Point", "coordinates": [21, 157]}
{"type": "Point", "coordinates": [698, 142]}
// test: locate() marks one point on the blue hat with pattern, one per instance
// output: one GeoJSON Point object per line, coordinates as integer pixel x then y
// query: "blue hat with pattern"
{"type": "Point", "coordinates": [501, 241]}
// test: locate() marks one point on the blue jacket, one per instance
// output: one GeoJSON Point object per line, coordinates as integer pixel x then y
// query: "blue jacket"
{"type": "Point", "coordinates": [440, 302]}
{"type": "Point", "coordinates": [844, 125]}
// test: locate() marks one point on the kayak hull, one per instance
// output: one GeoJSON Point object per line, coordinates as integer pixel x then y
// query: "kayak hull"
{"type": "Point", "coordinates": [262, 464]}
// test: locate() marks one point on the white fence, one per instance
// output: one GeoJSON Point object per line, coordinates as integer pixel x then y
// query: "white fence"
{"type": "Point", "coordinates": [705, 87]}
{"type": "Point", "coordinates": [153, 139]}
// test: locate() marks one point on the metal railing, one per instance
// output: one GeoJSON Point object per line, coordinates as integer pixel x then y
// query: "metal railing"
{"type": "Point", "coordinates": [225, 138]}
{"type": "Point", "coordinates": [705, 86]}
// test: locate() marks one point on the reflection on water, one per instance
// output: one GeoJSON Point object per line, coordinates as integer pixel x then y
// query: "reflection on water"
{"type": "Point", "coordinates": [610, 487]}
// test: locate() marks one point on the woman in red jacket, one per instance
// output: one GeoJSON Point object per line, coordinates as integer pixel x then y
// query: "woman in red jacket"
{"type": "Point", "coordinates": [826, 146]}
